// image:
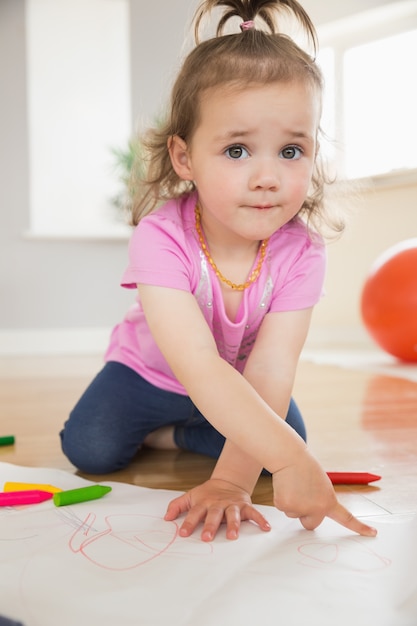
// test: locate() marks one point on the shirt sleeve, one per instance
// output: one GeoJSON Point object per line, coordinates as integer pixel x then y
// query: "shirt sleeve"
{"type": "Point", "coordinates": [158, 255]}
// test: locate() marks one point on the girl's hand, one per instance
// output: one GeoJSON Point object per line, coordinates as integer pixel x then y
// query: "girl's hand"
{"type": "Point", "coordinates": [212, 503]}
{"type": "Point", "coordinates": [304, 490]}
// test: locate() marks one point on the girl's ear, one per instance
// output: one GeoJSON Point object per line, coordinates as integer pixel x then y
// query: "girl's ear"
{"type": "Point", "coordinates": [179, 156]}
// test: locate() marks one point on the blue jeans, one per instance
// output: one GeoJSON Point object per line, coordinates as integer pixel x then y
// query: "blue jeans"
{"type": "Point", "coordinates": [119, 408]}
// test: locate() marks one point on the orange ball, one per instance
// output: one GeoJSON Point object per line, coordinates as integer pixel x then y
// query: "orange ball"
{"type": "Point", "coordinates": [389, 301]}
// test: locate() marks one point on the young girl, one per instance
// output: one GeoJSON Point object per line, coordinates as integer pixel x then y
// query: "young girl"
{"type": "Point", "coordinates": [228, 269]}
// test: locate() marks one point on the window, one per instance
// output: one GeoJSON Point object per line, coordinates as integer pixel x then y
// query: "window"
{"type": "Point", "coordinates": [370, 85]}
{"type": "Point", "coordinates": [78, 110]}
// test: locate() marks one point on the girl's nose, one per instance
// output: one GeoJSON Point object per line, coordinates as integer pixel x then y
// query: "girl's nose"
{"type": "Point", "coordinates": [265, 175]}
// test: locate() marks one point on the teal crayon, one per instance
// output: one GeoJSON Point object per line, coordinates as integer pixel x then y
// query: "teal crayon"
{"type": "Point", "coordinates": [83, 494]}
{"type": "Point", "coordinates": [8, 440]}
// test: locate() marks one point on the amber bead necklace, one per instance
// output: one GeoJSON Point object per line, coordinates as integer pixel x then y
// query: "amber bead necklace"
{"type": "Point", "coordinates": [253, 275]}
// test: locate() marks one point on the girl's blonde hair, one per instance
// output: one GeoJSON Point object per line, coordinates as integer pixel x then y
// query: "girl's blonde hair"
{"type": "Point", "coordinates": [253, 56]}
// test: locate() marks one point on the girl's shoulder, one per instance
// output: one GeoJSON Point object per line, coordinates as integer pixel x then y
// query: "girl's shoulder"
{"type": "Point", "coordinates": [170, 224]}
{"type": "Point", "coordinates": [296, 250]}
{"type": "Point", "coordinates": [178, 212]}
{"type": "Point", "coordinates": [297, 233]}
{"type": "Point", "coordinates": [161, 248]}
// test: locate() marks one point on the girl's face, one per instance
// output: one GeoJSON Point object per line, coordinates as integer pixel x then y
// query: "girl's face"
{"type": "Point", "coordinates": [251, 158]}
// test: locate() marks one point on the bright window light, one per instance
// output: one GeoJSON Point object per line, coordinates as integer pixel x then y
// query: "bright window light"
{"type": "Point", "coordinates": [380, 104]}
{"type": "Point", "coordinates": [326, 62]}
{"type": "Point", "coordinates": [78, 61]}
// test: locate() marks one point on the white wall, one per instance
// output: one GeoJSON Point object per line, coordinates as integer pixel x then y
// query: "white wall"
{"type": "Point", "coordinates": [44, 284]}
{"type": "Point", "coordinates": [74, 285]}
{"type": "Point", "coordinates": [323, 11]}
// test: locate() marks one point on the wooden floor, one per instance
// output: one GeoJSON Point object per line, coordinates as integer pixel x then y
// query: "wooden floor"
{"type": "Point", "coordinates": [356, 421]}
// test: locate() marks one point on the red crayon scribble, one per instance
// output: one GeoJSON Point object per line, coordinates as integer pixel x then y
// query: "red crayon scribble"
{"type": "Point", "coordinates": [356, 558]}
{"type": "Point", "coordinates": [126, 542]}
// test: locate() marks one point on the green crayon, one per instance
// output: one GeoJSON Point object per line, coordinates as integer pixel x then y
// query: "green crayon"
{"type": "Point", "coordinates": [83, 494]}
{"type": "Point", "coordinates": [7, 441]}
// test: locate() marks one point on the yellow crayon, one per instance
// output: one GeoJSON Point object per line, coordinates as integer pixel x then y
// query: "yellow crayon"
{"type": "Point", "coordinates": [10, 486]}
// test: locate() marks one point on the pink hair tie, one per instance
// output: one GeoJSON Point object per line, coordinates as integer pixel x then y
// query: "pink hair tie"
{"type": "Point", "coordinates": [249, 25]}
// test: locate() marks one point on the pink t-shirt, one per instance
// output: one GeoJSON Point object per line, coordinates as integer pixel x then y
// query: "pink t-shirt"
{"type": "Point", "coordinates": [164, 250]}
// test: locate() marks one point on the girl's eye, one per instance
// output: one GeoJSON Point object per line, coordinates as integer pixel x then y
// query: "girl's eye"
{"type": "Point", "coordinates": [291, 152]}
{"type": "Point", "coordinates": [237, 152]}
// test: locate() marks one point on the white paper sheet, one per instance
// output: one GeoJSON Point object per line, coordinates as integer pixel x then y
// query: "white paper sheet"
{"type": "Point", "coordinates": [116, 562]}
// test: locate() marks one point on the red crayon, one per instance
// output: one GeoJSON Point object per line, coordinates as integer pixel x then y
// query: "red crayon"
{"type": "Point", "coordinates": [352, 478]}
{"type": "Point", "coordinates": [17, 498]}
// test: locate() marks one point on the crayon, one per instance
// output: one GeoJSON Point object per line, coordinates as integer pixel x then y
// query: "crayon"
{"type": "Point", "coordinates": [83, 494]}
{"type": "Point", "coordinates": [8, 440]}
{"type": "Point", "coordinates": [10, 486]}
{"type": "Point", "coordinates": [352, 478]}
{"type": "Point", "coordinates": [18, 498]}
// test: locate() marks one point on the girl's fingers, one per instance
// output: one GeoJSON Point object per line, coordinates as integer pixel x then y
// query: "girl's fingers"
{"type": "Point", "coordinates": [194, 517]}
{"type": "Point", "coordinates": [345, 518]}
{"type": "Point", "coordinates": [176, 507]}
{"type": "Point", "coordinates": [310, 522]}
{"type": "Point", "coordinates": [233, 520]}
{"type": "Point", "coordinates": [214, 518]}
{"type": "Point", "coordinates": [250, 513]}
{"type": "Point", "coordinates": [342, 516]}
{"type": "Point", "coordinates": [233, 515]}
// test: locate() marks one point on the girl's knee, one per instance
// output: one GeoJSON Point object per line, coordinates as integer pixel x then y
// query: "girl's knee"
{"type": "Point", "coordinates": [91, 454]}
{"type": "Point", "coordinates": [90, 460]}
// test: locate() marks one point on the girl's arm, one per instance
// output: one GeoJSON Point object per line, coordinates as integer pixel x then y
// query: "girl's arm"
{"type": "Point", "coordinates": [227, 400]}
{"type": "Point", "coordinates": [233, 406]}
{"type": "Point", "coordinates": [271, 372]}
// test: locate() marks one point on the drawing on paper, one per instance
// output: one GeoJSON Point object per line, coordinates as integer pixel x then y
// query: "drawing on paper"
{"type": "Point", "coordinates": [350, 554]}
{"type": "Point", "coordinates": [129, 541]}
